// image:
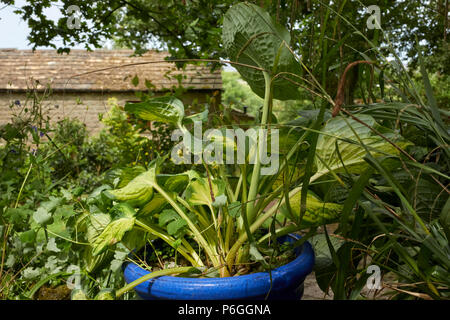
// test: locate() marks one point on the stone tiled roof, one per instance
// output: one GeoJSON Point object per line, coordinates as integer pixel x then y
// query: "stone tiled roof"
{"type": "Point", "coordinates": [18, 67]}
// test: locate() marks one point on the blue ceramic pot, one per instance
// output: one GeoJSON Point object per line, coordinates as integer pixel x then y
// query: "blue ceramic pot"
{"type": "Point", "coordinates": [287, 282]}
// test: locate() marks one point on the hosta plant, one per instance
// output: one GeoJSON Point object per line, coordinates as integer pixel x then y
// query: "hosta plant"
{"type": "Point", "coordinates": [225, 218]}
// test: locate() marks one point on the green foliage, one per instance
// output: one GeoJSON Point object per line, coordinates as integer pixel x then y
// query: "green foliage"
{"type": "Point", "coordinates": [317, 213]}
{"type": "Point", "coordinates": [199, 192]}
{"type": "Point", "coordinates": [112, 234]}
{"type": "Point", "coordinates": [48, 169]}
{"type": "Point", "coordinates": [237, 92]}
{"type": "Point", "coordinates": [137, 192]}
{"type": "Point", "coordinates": [340, 147]}
{"type": "Point", "coordinates": [252, 38]}
{"type": "Point", "coordinates": [79, 206]}
{"type": "Point", "coordinates": [163, 109]}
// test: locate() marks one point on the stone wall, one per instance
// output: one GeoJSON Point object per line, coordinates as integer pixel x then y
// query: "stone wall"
{"type": "Point", "coordinates": [84, 106]}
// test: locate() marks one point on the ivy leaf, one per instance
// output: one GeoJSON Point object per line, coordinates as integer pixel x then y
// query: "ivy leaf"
{"type": "Point", "coordinates": [17, 216]}
{"type": "Point", "coordinates": [67, 195]}
{"type": "Point", "coordinates": [256, 255]}
{"type": "Point", "coordinates": [175, 224]}
{"type": "Point", "coordinates": [52, 265]}
{"type": "Point", "coordinates": [52, 203]}
{"type": "Point", "coordinates": [31, 273]}
{"type": "Point", "coordinates": [166, 216]}
{"type": "Point", "coordinates": [120, 255]}
{"type": "Point", "coordinates": [10, 261]}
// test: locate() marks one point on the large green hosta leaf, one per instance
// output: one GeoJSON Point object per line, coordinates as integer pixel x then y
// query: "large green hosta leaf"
{"type": "Point", "coordinates": [138, 191]}
{"type": "Point", "coordinates": [163, 109]}
{"type": "Point", "coordinates": [317, 212]}
{"type": "Point", "coordinates": [338, 137]}
{"type": "Point", "coordinates": [250, 36]}
{"type": "Point", "coordinates": [96, 224]}
{"type": "Point", "coordinates": [112, 234]}
{"type": "Point", "coordinates": [120, 177]}
{"type": "Point", "coordinates": [198, 191]}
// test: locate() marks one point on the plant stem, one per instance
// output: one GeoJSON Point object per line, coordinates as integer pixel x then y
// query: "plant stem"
{"type": "Point", "coordinates": [188, 253]}
{"type": "Point", "coordinates": [254, 184]}
{"type": "Point", "coordinates": [198, 236]}
{"type": "Point", "coordinates": [243, 237]}
{"type": "Point", "coordinates": [23, 185]}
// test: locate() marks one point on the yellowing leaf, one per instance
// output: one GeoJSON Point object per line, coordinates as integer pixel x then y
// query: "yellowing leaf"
{"type": "Point", "coordinates": [138, 191]}
{"type": "Point", "coordinates": [198, 191]}
{"type": "Point", "coordinates": [112, 234]}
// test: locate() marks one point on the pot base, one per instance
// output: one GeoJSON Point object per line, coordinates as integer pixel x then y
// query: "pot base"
{"type": "Point", "coordinates": [286, 283]}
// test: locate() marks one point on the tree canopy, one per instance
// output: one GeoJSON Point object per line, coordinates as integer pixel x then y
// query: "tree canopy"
{"type": "Point", "coordinates": [327, 34]}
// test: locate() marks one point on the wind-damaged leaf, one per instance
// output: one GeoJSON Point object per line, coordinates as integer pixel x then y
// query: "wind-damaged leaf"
{"type": "Point", "coordinates": [138, 191]}
{"type": "Point", "coordinates": [337, 137]}
{"type": "Point", "coordinates": [112, 234]}
{"type": "Point", "coordinates": [250, 36]}
{"type": "Point", "coordinates": [198, 191]}
{"type": "Point", "coordinates": [120, 177]}
{"type": "Point", "coordinates": [164, 109]}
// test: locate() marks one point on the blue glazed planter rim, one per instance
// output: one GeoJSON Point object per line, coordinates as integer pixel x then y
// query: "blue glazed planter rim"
{"type": "Point", "coordinates": [249, 286]}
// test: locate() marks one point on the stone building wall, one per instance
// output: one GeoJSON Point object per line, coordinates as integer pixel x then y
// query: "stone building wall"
{"type": "Point", "coordinates": [84, 106]}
